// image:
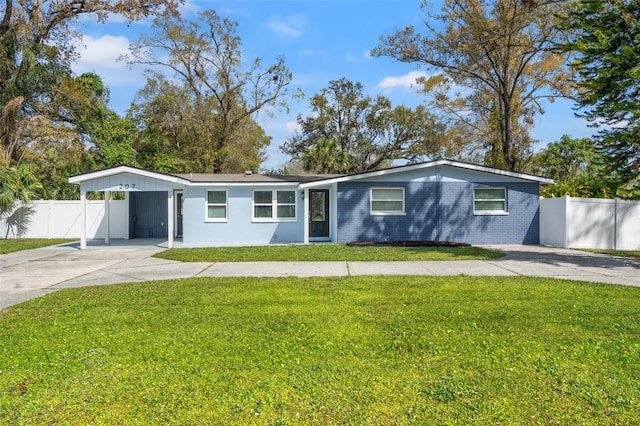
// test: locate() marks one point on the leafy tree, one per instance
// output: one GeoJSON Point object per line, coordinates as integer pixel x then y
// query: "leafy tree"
{"type": "Point", "coordinates": [576, 167]}
{"type": "Point", "coordinates": [79, 134]}
{"type": "Point", "coordinates": [54, 153]}
{"type": "Point", "coordinates": [324, 156]}
{"type": "Point", "coordinates": [369, 133]}
{"type": "Point", "coordinates": [18, 186]}
{"type": "Point", "coordinates": [493, 62]}
{"type": "Point", "coordinates": [606, 47]}
{"type": "Point", "coordinates": [36, 48]}
{"type": "Point", "coordinates": [204, 110]}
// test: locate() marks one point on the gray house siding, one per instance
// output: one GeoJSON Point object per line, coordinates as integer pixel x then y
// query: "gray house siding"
{"type": "Point", "coordinates": [439, 211]}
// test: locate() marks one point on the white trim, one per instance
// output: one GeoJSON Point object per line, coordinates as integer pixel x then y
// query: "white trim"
{"type": "Point", "coordinates": [107, 208]}
{"type": "Point", "coordinates": [207, 204]}
{"type": "Point", "coordinates": [83, 219]}
{"type": "Point", "coordinates": [125, 169]}
{"type": "Point", "coordinates": [386, 212]}
{"type": "Point", "coordinates": [305, 203]}
{"type": "Point", "coordinates": [504, 212]}
{"type": "Point", "coordinates": [170, 218]}
{"type": "Point", "coordinates": [292, 185]}
{"type": "Point", "coordinates": [403, 169]}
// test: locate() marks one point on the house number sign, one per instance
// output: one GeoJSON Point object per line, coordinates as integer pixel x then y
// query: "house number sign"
{"type": "Point", "coordinates": [125, 186]}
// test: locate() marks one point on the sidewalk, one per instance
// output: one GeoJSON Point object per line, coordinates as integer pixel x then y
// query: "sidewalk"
{"type": "Point", "coordinates": [33, 273]}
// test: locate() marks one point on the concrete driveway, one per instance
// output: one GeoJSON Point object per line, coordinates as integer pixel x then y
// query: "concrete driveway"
{"type": "Point", "coordinates": [33, 273]}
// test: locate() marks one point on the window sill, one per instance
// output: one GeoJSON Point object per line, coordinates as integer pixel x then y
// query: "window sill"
{"type": "Point", "coordinates": [490, 213]}
{"type": "Point", "coordinates": [216, 220]}
{"type": "Point", "coordinates": [254, 220]}
{"type": "Point", "coordinates": [387, 213]}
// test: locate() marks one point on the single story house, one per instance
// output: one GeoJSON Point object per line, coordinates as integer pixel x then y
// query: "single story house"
{"type": "Point", "coordinates": [437, 200]}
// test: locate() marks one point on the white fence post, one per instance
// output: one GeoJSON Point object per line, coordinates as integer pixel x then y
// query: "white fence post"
{"type": "Point", "coordinates": [567, 221]}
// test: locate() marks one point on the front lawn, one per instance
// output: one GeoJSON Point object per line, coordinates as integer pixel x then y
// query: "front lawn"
{"type": "Point", "coordinates": [325, 252]}
{"type": "Point", "coordinates": [9, 245]}
{"type": "Point", "coordinates": [351, 350]}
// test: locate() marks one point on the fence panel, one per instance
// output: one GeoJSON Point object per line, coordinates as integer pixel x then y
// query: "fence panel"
{"type": "Point", "coordinates": [591, 223]}
{"type": "Point", "coordinates": [628, 219]}
{"type": "Point", "coordinates": [62, 219]}
{"type": "Point", "coordinates": [553, 222]}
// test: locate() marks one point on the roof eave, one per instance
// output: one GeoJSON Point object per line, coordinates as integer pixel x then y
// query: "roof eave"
{"type": "Point", "coordinates": [126, 169]}
{"type": "Point", "coordinates": [435, 163]}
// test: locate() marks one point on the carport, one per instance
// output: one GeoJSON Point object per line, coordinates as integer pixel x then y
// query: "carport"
{"type": "Point", "coordinates": [147, 189]}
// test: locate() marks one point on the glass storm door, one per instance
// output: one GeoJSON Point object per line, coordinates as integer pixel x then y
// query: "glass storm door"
{"type": "Point", "coordinates": [179, 212]}
{"type": "Point", "coordinates": [319, 213]}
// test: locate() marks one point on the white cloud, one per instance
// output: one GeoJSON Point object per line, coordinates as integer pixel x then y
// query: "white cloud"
{"type": "Point", "coordinates": [101, 53]}
{"type": "Point", "coordinates": [292, 126]}
{"type": "Point", "coordinates": [407, 81]}
{"type": "Point", "coordinates": [189, 8]}
{"type": "Point", "coordinates": [291, 26]}
{"type": "Point", "coordinates": [356, 58]}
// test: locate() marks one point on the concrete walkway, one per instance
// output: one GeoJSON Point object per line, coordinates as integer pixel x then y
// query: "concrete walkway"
{"type": "Point", "coordinates": [33, 273]}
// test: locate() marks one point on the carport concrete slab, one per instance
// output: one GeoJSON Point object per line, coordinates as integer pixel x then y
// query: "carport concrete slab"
{"type": "Point", "coordinates": [45, 273]}
{"type": "Point", "coordinates": [35, 278]}
{"type": "Point", "coordinates": [19, 257]}
{"type": "Point", "coordinates": [276, 269]}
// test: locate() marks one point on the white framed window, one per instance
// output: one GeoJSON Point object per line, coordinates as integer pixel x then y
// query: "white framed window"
{"type": "Point", "coordinates": [490, 201]}
{"type": "Point", "coordinates": [387, 201]}
{"type": "Point", "coordinates": [274, 205]}
{"type": "Point", "coordinates": [216, 206]}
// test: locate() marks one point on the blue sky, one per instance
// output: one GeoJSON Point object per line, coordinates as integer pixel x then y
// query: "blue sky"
{"type": "Point", "coordinates": [321, 41]}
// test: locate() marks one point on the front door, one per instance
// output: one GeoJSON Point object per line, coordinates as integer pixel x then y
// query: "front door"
{"type": "Point", "coordinates": [319, 213]}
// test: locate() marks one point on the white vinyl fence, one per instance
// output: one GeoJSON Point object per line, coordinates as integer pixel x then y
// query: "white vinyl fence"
{"type": "Point", "coordinates": [590, 223]}
{"type": "Point", "coordinates": [62, 219]}
{"type": "Point", "coordinates": [564, 222]}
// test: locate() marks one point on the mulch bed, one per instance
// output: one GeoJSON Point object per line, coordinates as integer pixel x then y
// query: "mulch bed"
{"type": "Point", "coordinates": [408, 243]}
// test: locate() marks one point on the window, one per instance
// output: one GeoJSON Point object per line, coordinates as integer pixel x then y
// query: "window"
{"type": "Point", "coordinates": [216, 206]}
{"type": "Point", "coordinates": [274, 205]}
{"type": "Point", "coordinates": [262, 205]}
{"type": "Point", "coordinates": [490, 200]}
{"type": "Point", "coordinates": [387, 201]}
{"type": "Point", "coordinates": [286, 202]}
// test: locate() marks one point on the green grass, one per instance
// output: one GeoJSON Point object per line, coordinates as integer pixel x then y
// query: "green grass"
{"type": "Point", "coordinates": [325, 252]}
{"type": "Point", "coordinates": [10, 245]}
{"type": "Point", "coordinates": [635, 254]}
{"type": "Point", "coordinates": [353, 350]}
